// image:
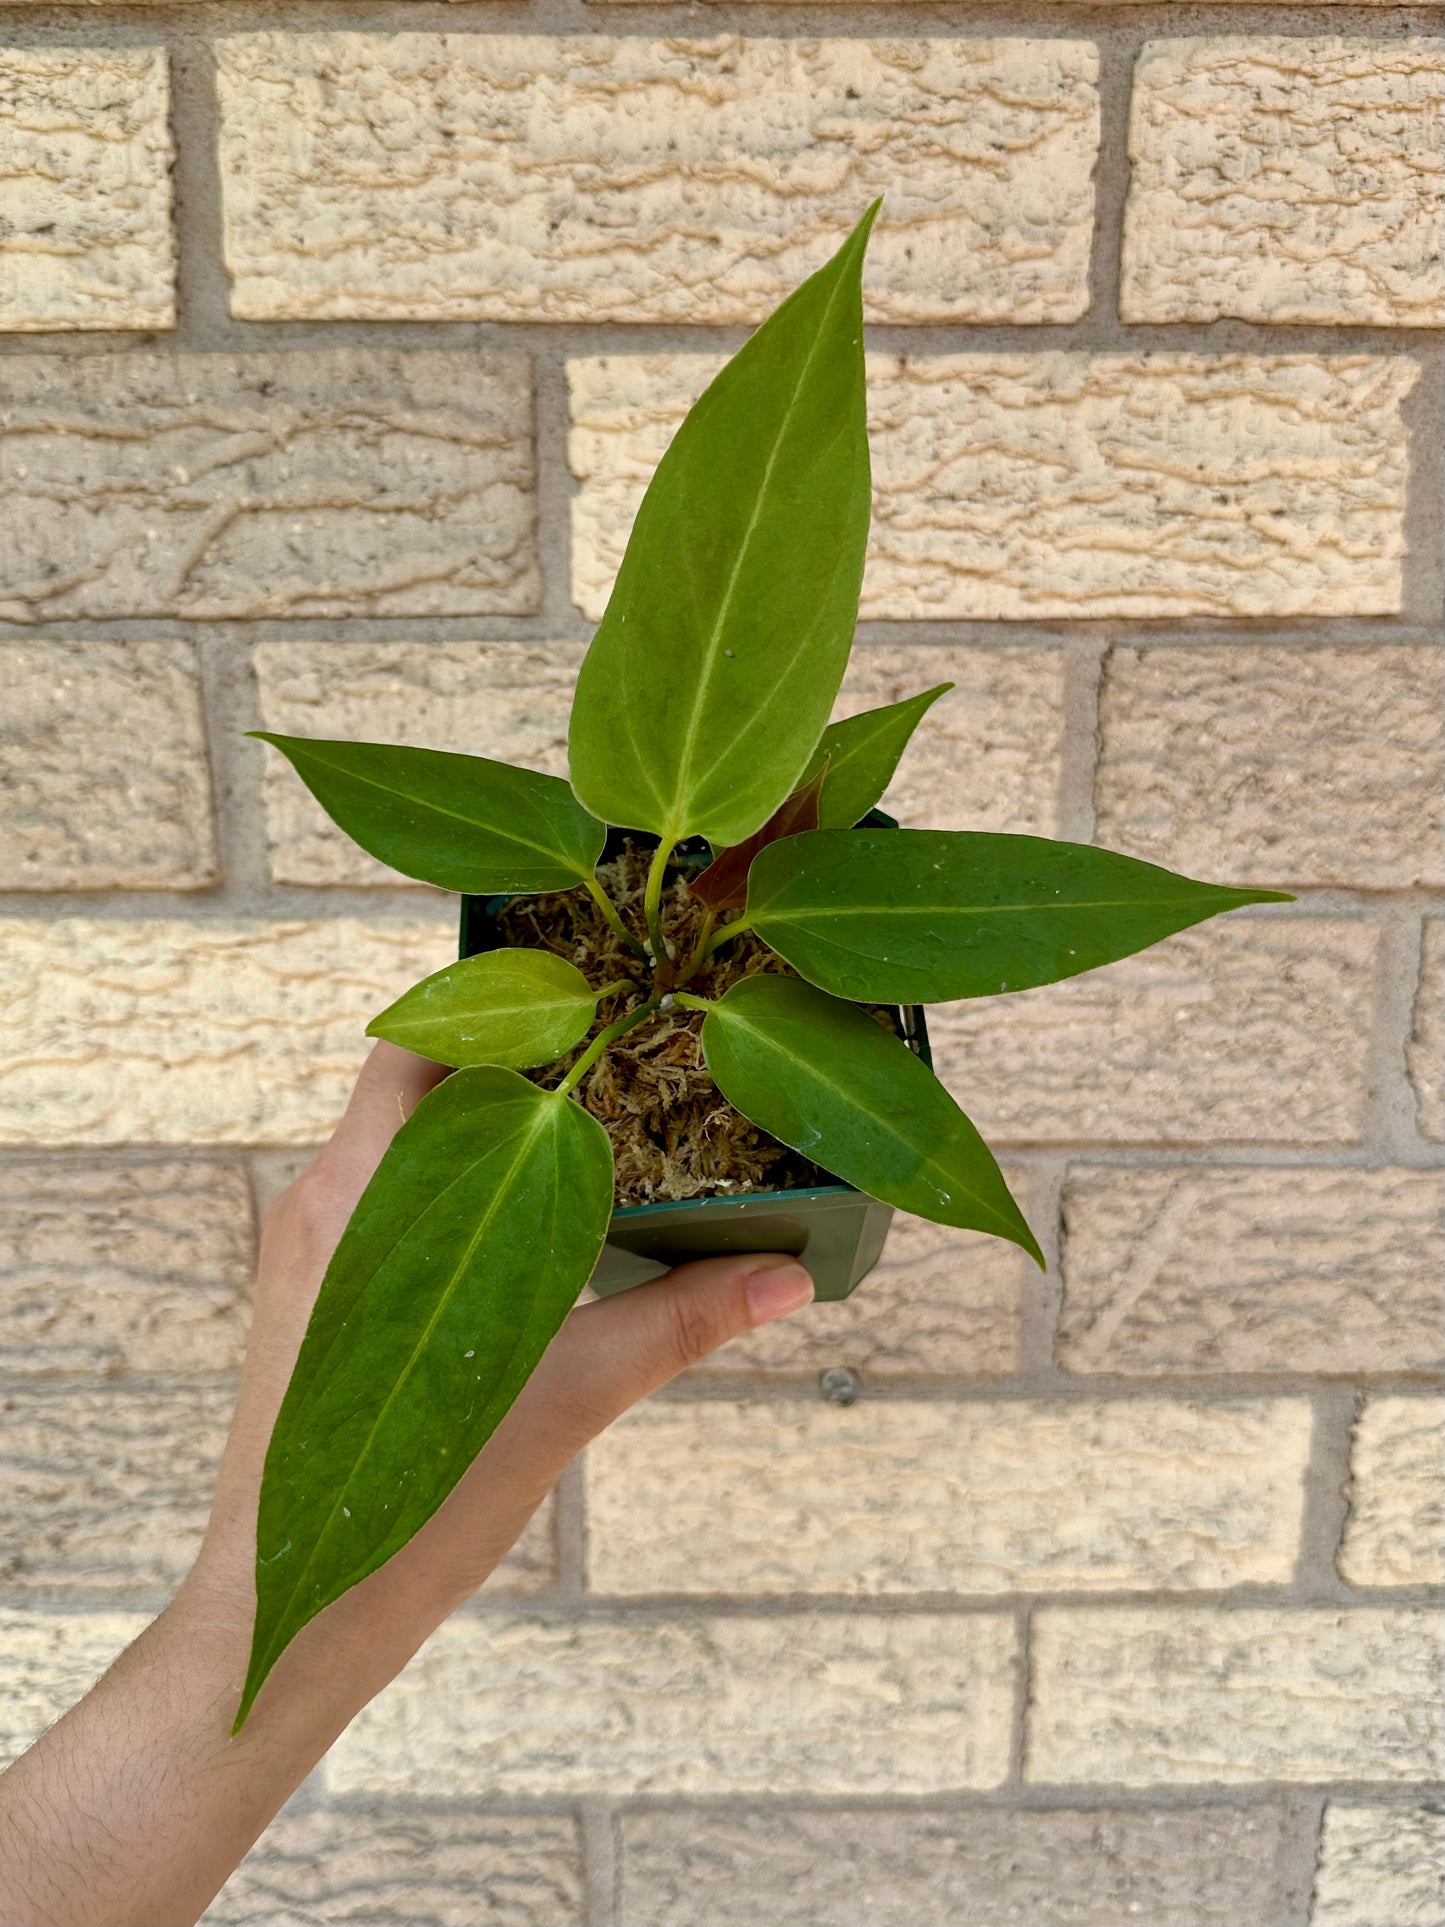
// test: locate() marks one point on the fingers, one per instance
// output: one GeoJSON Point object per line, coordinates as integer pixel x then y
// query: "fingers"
{"type": "Point", "coordinates": [612, 1353]}
{"type": "Point", "coordinates": [391, 1085]}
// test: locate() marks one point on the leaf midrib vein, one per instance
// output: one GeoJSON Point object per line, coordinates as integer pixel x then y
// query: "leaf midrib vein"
{"type": "Point", "coordinates": [528, 1137]}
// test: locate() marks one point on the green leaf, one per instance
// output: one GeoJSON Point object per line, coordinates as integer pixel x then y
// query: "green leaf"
{"type": "Point", "coordinates": [516, 1007]}
{"type": "Point", "coordinates": [862, 752]}
{"type": "Point", "coordinates": [723, 885]}
{"type": "Point", "coordinates": [710, 678]}
{"type": "Point", "coordinates": [463, 822]}
{"type": "Point", "coordinates": [921, 916]}
{"type": "Point", "coordinates": [469, 1246]}
{"type": "Point", "coordinates": [825, 1078]}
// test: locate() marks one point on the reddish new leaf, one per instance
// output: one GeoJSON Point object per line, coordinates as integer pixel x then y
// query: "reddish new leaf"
{"type": "Point", "coordinates": [723, 885]}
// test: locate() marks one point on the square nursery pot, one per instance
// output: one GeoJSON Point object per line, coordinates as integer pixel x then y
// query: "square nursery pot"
{"type": "Point", "coordinates": [836, 1231]}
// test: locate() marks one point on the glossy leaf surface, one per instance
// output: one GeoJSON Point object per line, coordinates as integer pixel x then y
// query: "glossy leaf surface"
{"type": "Point", "coordinates": [512, 1007]}
{"type": "Point", "coordinates": [710, 678]}
{"type": "Point", "coordinates": [468, 1248]}
{"type": "Point", "coordinates": [465, 823]}
{"type": "Point", "coordinates": [862, 752]}
{"type": "Point", "coordinates": [922, 916]}
{"type": "Point", "coordinates": [723, 885]}
{"type": "Point", "coordinates": [822, 1076]}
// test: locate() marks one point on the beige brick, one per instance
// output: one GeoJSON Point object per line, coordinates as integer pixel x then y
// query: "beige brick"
{"type": "Point", "coordinates": [106, 1490]}
{"type": "Point", "coordinates": [505, 699]}
{"type": "Point", "coordinates": [428, 1866]}
{"type": "Point", "coordinates": [873, 1499]}
{"type": "Point", "coordinates": [1380, 1864]}
{"type": "Point", "coordinates": [1236, 1270]}
{"type": "Point", "coordinates": [1175, 1696]}
{"type": "Point", "coordinates": [1275, 765]}
{"type": "Point", "coordinates": [1426, 1050]}
{"type": "Point", "coordinates": [327, 482]}
{"type": "Point", "coordinates": [226, 1030]}
{"type": "Point", "coordinates": [941, 1303]}
{"type": "Point", "coordinates": [825, 1704]}
{"type": "Point", "coordinates": [105, 782]}
{"type": "Point", "coordinates": [111, 1269]}
{"type": "Point", "coordinates": [1246, 1030]}
{"type": "Point", "coordinates": [1067, 485]}
{"type": "Point", "coordinates": [85, 188]}
{"type": "Point", "coordinates": [529, 178]}
{"type": "Point", "coordinates": [1286, 179]}
{"type": "Point", "coordinates": [987, 755]}
{"type": "Point", "coordinates": [47, 1661]}
{"type": "Point", "coordinates": [1395, 1534]}
{"type": "Point", "coordinates": [110, 1491]}
{"type": "Point", "coordinates": [791, 1867]}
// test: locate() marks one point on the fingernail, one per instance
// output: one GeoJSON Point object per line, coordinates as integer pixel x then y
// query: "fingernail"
{"type": "Point", "coordinates": [773, 1294]}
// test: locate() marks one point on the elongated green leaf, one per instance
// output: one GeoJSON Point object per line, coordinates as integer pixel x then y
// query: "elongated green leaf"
{"type": "Point", "coordinates": [921, 916]}
{"type": "Point", "coordinates": [515, 1007]}
{"type": "Point", "coordinates": [463, 822]}
{"type": "Point", "coordinates": [861, 753]}
{"type": "Point", "coordinates": [481, 1226]}
{"type": "Point", "coordinates": [711, 676]}
{"type": "Point", "coordinates": [824, 1077]}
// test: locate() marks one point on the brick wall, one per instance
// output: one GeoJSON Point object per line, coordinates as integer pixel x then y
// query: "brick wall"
{"type": "Point", "coordinates": [339, 339]}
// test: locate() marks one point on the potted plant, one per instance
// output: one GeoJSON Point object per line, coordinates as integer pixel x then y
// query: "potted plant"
{"type": "Point", "coordinates": [713, 876]}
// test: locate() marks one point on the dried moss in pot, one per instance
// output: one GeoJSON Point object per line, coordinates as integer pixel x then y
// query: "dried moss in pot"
{"type": "Point", "coordinates": [674, 1135]}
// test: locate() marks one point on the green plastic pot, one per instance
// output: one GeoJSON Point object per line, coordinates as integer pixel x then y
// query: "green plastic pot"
{"type": "Point", "coordinates": [836, 1231]}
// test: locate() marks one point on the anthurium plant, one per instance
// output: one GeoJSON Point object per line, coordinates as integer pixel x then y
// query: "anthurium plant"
{"type": "Point", "coordinates": [701, 711]}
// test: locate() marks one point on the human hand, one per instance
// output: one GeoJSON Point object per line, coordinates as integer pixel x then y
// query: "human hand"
{"type": "Point", "coordinates": [138, 1804]}
{"type": "Point", "coordinates": [607, 1356]}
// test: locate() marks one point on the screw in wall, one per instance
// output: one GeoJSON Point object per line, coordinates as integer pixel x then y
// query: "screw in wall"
{"type": "Point", "coordinates": [840, 1386]}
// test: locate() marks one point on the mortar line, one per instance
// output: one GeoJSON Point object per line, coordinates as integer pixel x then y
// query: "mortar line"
{"type": "Point", "coordinates": [1022, 1698]}
{"type": "Point", "coordinates": [1300, 1858]}
{"type": "Point", "coordinates": [570, 1528]}
{"type": "Point", "coordinates": [598, 1824]}
{"type": "Point", "coordinates": [1391, 1118]}
{"type": "Point", "coordinates": [1325, 1500]}
{"type": "Point", "coordinates": [1041, 1297]}
{"type": "Point", "coordinates": [1084, 665]}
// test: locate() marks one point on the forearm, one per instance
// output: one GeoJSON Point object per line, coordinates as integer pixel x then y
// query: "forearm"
{"type": "Point", "coordinates": [138, 1804]}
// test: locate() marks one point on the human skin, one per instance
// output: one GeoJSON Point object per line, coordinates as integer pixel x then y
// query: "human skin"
{"type": "Point", "coordinates": [137, 1805]}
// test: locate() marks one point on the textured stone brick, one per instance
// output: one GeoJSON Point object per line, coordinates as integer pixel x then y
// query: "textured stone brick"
{"type": "Point", "coordinates": [1164, 1696]}
{"type": "Point", "coordinates": [47, 1660]}
{"type": "Point", "coordinates": [85, 188]}
{"type": "Point", "coordinates": [429, 1866]}
{"type": "Point", "coordinates": [987, 755]}
{"type": "Point", "coordinates": [530, 178]}
{"type": "Point", "coordinates": [1286, 179]}
{"type": "Point", "coordinates": [106, 1490]}
{"type": "Point", "coordinates": [859, 1703]}
{"type": "Point", "coordinates": [1426, 1050]}
{"type": "Point", "coordinates": [110, 1490]}
{"type": "Point", "coordinates": [104, 782]}
{"type": "Point", "coordinates": [328, 482]}
{"type": "Point", "coordinates": [1066, 485]}
{"type": "Point", "coordinates": [110, 1269]}
{"type": "Point", "coordinates": [1238, 1270]}
{"type": "Point", "coordinates": [1380, 1864]}
{"type": "Point", "coordinates": [1250, 1030]}
{"type": "Point", "coordinates": [940, 1303]}
{"type": "Point", "coordinates": [1395, 1534]}
{"type": "Point", "coordinates": [1275, 765]}
{"type": "Point", "coordinates": [978, 1498]}
{"type": "Point", "coordinates": [1191, 1867]}
{"type": "Point", "coordinates": [505, 699]}
{"type": "Point", "coordinates": [217, 1031]}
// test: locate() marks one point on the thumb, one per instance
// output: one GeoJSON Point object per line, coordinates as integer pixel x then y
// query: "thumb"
{"type": "Point", "coordinates": [611, 1353]}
